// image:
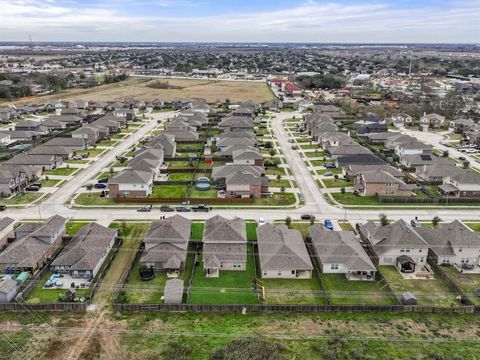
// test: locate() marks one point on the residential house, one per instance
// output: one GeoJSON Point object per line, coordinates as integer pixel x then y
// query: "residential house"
{"type": "Point", "coordinates": [349, 149]}
{"type": "Point", "coordinates": [413, 148]}
{"type": "Point", "coordinates": [130, 184]}
{"type": "Point", "coordinates": [461, 126]}
{"type": "Point", "coordinates": [34, 243]}
{"type": "Point", "coordinates": [224, 245]}
{"type": "Point", "coordinates": [453, 244]}
{"type": "Point", "coordinates": [340, 252]}
{"type": "Point", "coordinates": [331, 110]}
{"type": "Point", "coordinates": [236, 123]}
{"type": "Point", "coordinates": [247, 156]}
{"type": "Point", "coordinates": [181, 131]}
{"type": "Point", "coordinates": [397, 244]}
{"type": "Point", "coordinates": [463, 184]}
{"type": "Point", "coordinates": [282, 253]}
{"type": "Point", "coordinates": [12, 180]}
{"type": "Point", "coordinates": [397, 139]}
{"type": "Point", "coordinates": [434, 121]}
{"type": "Point", "coordinates": [419, 160]}
{"type": "Point", "coordinates": [128, 114]}
{"type": "Point", "coordinates": [45, 162]}
{"type": "Point", "coordinates": [245, 184]}
{"type": "Point", "coordinates": [435, 173]}
{"type": "Point", "coordinates": [86, 252]}
{"type": "Point", "coordinates": [379, 138]}
{"type": "Point", "coordinates": [220, 173]}
{"type": "Point", "coordinates": [381, 183]}
{"type": "Point", "coordinates": [61, 151]}
{"type": "Point", "coordinates": [166, 245]}
{"type": "Point", "coordinates": [74, 143]}
{"type": "Point", "coordinates": [70, 120]}
{"type": "Point", "coordinates": [166, 142]}
{"type": "Point", "coordinates": [401, 120]}
{"type": "Point", "coordinates": [29, 125]}
{"type": "Point", "coordinates": [358, 159]}
{"type": "Point", "coordinates": [352, 171]}
{"type": "Point", "coordinates": [88, 133]}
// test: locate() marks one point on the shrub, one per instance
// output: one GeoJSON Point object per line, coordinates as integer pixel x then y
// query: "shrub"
{"type": "Point", "coordinates": [176, 351]}
{"type": "Point", "coordinates": [252, 348]}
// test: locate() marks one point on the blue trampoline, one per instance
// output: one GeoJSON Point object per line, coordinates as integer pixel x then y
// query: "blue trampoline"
{"type": "Point", "coordinates": [203, 184]}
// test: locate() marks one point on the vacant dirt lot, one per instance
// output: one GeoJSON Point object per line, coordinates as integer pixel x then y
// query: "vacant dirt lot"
{"type": "Point", "coordinates": [211, 91]}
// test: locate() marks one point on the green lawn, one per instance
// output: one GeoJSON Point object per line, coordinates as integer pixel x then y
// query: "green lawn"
{"type": "Point", "coordinates": [319, 163]}
{"type": "Point", "coordinates": [178, 165]}
{"type": "Point", "coordinates": [275, 171]}
{"type": "Point", "coordinates": [468, 283]}
{"type": "Point", "coordinates": [168, 191]}
{"type": "Point", "coordinates": [62, 171]}
{"type": "Point", "coordinates": [346, 226]}
{"type": "Point", "coordinates": [251, 228]}
{"type": "Point", "coordinates": [231, 287]}
{"type": "Point", "coordinates": [302, 227]}
{"type": "Point", "coordinates": [427, 292]}
{"type": "Point", "coordinates": [49, 182]}
{"type": "Point", "coordinates": [278, 199]}
{"type": "Point", "coordinates": [39, 295]}
{"type": "Point", "coordinates": [108, 143]}
{"type": "Point", "coordinates": [474, 226]}
{"type": "Point", "coordinates": [279, 183]}
{"type": "Point", "coordinates": [308, 146]}
{"type": "Point", "coordinates": [91, 152]}
{"type": "Point", "coordinates": [21, 199]}
{"type": "Point", "coordinates": [180, 176]}
{"type": "Point", "coordinates": [292, 291]}
{"type": "Point", "coordinates": [342, 291]}
{"type": "Point", "coordinates": [333, 171]}
{"type": "Point", "coordinates": [197, 230]}
{"type": "Point", "coordinates": [315, 154]}
{"type": "Point", "coordinates": [194, 147]}
{"type": "Point", "coordinates": [351, 199]}
{"type": "Point", "coordinates": [76, 161]}
{"type": "Point", "coordinates": [339, 183]}
{"type": "Point", "coordinates": [93, 199]}
{"type": "Point", "coordinates": [74, 226]}
{"type": "Point", "coordinates": [197, 194]}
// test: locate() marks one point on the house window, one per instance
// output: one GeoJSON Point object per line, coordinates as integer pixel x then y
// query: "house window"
{"type": "Point", "coordinates": [402, 250]}
{"type": "Point", "coordinates": [460, 250]}
{"type": "Point", "coordinates": [407, 250]}
{"type": "Point", "coordinates": [420, 250]}
{"type": "Point", "coordinates": [293, 272]}
{"type": "Point", "coordinates": [334, 266]}
{"type": "Point", "coordinates": [279, 273]}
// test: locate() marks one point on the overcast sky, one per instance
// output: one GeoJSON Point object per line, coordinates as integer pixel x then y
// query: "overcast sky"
{"type": "Point", "coordinates": [448, 21]}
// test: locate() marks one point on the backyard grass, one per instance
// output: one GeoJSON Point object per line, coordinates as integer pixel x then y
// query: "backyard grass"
{"type": "Point", "coordinates": [474, 226]}
{"type": "Point", "coordinates": [251, 228]}
{"type": "Point", "coordinates": [180, 176]}
{"type": "Point", "coordinates": [333, 171]}
{"type": "Point", "coordinates": [39, 295]}
{"type": "Point", "coordinates": [198, 194]}
{"type": "Point", "coordinates": [292, 291]}
{"type": "Point", "coordinates": [278, 199]}
{"type": "Point", "coordinates": [178, 165]}
{"type": "Point", "coordinates": [308, 146]}
{"type": "Point", "coordinates": [341, 291]}
{"type": "Point", "coordinates": [427, 292]}
{"type": "Point", "coordinates": [319, 163]}
{"type": "Point", "coordinates": [468, 283]}
{"type": "Point", "coordinates": [275, 171]}
{"type": "Point", "coordinates": [168, 191]}
{"type": "Point", "coordinates": [351, 199]}
{"type": "Point", "coordinates": [76, 161]}
{"type": "Point", "coordinates": [108, 143]}
{"type": "Point", "coordinates": [62, 171]}
{"type": "Point", "coordinates": [138, 291]}
{"type": "Point", "coordinates": [339, 183]}
{"type": "Point", "coordinates": [194, 147]}
{"type": "Point", "coordinates": [231, 287]}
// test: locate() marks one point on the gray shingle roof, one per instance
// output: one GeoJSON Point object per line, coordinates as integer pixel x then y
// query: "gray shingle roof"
{"type": "Point", "coordinates": [340, 247]}
{"type": "Point", "coordinates": [281, 248]}
{"type": "Point", "coordinates": [130, 176]}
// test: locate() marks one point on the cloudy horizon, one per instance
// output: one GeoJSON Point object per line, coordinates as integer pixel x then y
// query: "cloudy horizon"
{"type": "Point", "coordinates": [354, 21]}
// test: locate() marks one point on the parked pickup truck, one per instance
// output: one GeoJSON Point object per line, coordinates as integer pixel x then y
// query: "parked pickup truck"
{"type": "Point", "coordinates": [201, 208]}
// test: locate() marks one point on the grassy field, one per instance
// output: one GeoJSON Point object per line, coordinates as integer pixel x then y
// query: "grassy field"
{"type": "Point", "coordinates": [342, 291]}
{"type": "Point", "coordinates": [197, 230]}
{"type": "Point", "coordinates": [231, 287]}
{"type": "Point", "coordinates": [277, 200]}
{"type": "Point", "coordinates": [211, 91]}
{"type": "Point", "coordinates": [351, 199]}
{"type": "Point", "coordinates": [300, 336]}
{"type": "Point", "coordinates": [180, 177]}
{"type": "Point", "coordinates": [74, 226]}
{"type": "Point", "coordinates": [292, 291]}
{"type": "Point", "coordinates": [474, 226]}
{"type": "Point", "coordinates": [339, 183]}
{"type": "Point", "coordinates": [92, 152]}
{"type": "Point", "coordinates": [49, 182]}
{"type": "Point", "coordinates": [93, 199]}
{"type": "Point", "coordinates": [168, 191]}
{"type": "Point", "coordinates": [427, 292]}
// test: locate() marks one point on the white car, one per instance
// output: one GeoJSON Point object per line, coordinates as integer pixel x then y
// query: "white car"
{"type": "Point", "coordinates": [261, 221]}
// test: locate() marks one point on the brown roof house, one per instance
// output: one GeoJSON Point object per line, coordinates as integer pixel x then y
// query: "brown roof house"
{"type": "Point", "coordinates": [35, 243]}
{"type": "Point", "coordinates": [340, 252]}
{"type": "Point", "coordinates": [166, 245]}
{"type": "Point", "coordinates": [463, 183]}
{"type": "Point", "coordinates": [371, 183]}
{"type": "Point", "coordinates": [224, 245]}
{"type": "Point", "coordinates": [85, 253]}
{"type": "Point", "coordinates": [283, 253]}
{"type": "Point", "coordinates": [434, 121]}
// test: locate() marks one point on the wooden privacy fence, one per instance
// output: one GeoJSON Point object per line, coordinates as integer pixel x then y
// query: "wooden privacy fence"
{"type": "Point", "coordinates": [313, 308]}
{"type": "Point", "coordinates": [43, 307]}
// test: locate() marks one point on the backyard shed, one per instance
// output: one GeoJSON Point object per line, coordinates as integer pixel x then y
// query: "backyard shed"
{"type": "Point", "coordinates": [8, 289]}
{"type": "Point", "coordinates": [173, 291]}
{"type": "Point", "coordinates": [22, 277]}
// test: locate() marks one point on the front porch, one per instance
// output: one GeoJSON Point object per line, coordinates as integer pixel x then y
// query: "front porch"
{"type": "Point", "coordinates": [360, 275]}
